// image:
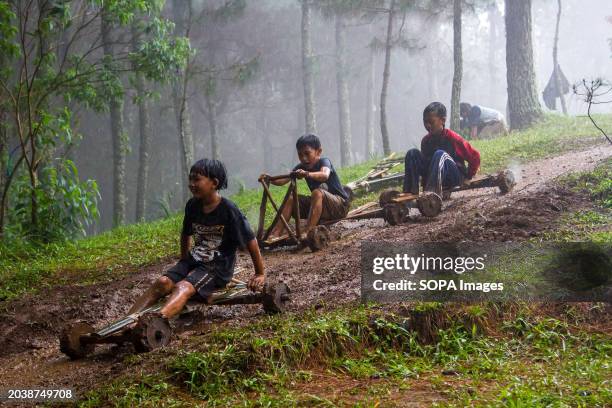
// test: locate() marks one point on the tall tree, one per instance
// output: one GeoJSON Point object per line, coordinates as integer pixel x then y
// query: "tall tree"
{"type": "Point", "coordinates": [182, 14]}
{"type": "Point", "coordinates": [523, 104]}
{"type": "Point", "coordinates": [144, 131]}
{"type": "Point", "coordinates": [118, 134]}
{"type": "Point", "coordinates": [385, 83]}
{"type": "Point", "coordinates": [458, 64]}
{"type": "Point", "coordinates": [557, 69]}
{"type": "Point", "coordinates": [308, 68]}
{"type": "Point", "coordinates": [494, 22]}
{"type": "Point", "coordinates": [370, 107]}
{"type": "Point", "coordinates": [344, 109]}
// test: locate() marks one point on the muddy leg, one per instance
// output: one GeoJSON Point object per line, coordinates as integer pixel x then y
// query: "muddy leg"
{"type": "Point", "coordinates": [162, 286]}
{"type": "Point", "coordinates": [183, 290]}
{"type": "Point", "coordinates": [316, 208]}
{"type": "Point", "coordinates": [279, 227]}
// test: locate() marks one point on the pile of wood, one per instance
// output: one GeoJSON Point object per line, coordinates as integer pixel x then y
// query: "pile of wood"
{"type": "Point", "coordinates": [379, 177]}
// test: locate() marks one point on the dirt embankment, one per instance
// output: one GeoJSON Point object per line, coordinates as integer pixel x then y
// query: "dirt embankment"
{"type": "Point", "coordinates": [29, 355]}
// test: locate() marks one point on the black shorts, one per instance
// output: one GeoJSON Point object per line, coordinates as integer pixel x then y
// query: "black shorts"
{"type": "Point", "coordinates": [202, 276]}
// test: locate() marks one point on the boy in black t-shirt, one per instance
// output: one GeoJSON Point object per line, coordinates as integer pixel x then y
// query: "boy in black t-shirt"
{"type": "Point", "coordinates": [218, 228]}
{"type": "Point", "coordinates": [328, 200]}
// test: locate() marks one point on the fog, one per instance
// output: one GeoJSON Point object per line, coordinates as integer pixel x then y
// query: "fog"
{"type": "Point", "coordinates": [259, 120]}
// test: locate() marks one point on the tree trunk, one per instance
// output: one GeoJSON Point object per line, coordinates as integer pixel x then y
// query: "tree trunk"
{"type": "Point", "coordinates": [118, 138]}
{"type": "Point", "coordinates": [557, 70]}
{"type": "Point", "coordinates": [344, 108]}
{"type": "Point", "coordinates": [211, 115]}
{"type": "Point", "coordinates": [369, 133]}
{"type": "Point", "coordinates": [458, 59]}
{"type": "Point", "coordinates": [307, 68]}
{"type": "Point", "coordinates": [386, 73]}
{"type": "Point", "coordinates": [3, 168]}
{"type": "Point", "coordinates": [145, 139]}
{"type": "Point", "coordinates": [182, 113]}
{"type": "Point", "coordinates": [493, 24]}
{"type": "Point", "coordinates": [523, 104]}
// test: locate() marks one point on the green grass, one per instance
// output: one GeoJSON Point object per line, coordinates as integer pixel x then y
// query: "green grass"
{"type": "Point", "coordinates": [593, 224]}
{"type": "Point", "coordinates": [527, 360]}
{"type": "Point", "coordinates": [108, 256]}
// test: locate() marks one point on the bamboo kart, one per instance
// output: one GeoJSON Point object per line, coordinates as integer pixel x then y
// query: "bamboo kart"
{"type": "Point", "coordinates": [394, 206]}
{"type": "Point", "coordinates": [317, 239]}
{"type": "Point", "coordinates": [147, 330]}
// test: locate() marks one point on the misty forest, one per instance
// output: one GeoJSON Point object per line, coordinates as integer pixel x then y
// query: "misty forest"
{"type": "Point", "coordinates": [106, 104]}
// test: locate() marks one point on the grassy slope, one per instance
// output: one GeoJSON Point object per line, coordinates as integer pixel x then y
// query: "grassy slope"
{"type": "Point", "coordinates": [481, 356]}
{"type": "Point", "coordinates": [109, 255]}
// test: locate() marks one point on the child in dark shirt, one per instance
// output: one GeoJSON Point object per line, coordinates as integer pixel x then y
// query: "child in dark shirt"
{"type": "Point", "coordinates": [218, 228]}
{"type": "Point", "coordinates": [441, 161]}
{"type": "Point", "coordinates": [328, 200]}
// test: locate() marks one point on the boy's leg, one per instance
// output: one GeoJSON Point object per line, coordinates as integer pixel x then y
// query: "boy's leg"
{"type": "Point", "coordinates": [414, 167]}
{"type": "Point", "coordinates": [179, 297]}
{"type": "Point", "coordinates": [201, 281]}
{"type": "Point", "coordinates": [279, 227]}
{"type": "Point", "coordinates": [443, 173]}
{"type": "Point", "coordinates": [164, 285]}
{"type": "Point", "coordinates": [325, 206]}
{"type": "Point", "coordinates": [316, 209]}
{"type": "Point", "coordinates": [160, 288]}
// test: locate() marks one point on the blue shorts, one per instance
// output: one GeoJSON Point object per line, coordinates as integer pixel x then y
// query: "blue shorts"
{"type": "Point", "coordinates": [202, 276]}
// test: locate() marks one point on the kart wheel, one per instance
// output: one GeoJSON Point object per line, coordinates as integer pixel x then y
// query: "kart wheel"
{"type": "Point", "coordinates": [506, 181]}
{"type": "Point", "coordinates": [275, 297]}
{"type": "Point", "coordinates": [318, 238]}
{"type": "Point", "coordinates": [70, 340]}
{"type": "Point", "coordinates": [386, 196]}
{"type": "Point", "coordinates": [394, 213]}
{"type": "Point", "coordinates": [429, 204]}
{"type": "Point", "coordinates": [151, 332]}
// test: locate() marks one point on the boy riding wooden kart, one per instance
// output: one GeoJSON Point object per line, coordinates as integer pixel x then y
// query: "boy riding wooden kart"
{"type": "Point", "coordinates": [327, 203]}
{"type": "Point", "coordinates": [204, 273]}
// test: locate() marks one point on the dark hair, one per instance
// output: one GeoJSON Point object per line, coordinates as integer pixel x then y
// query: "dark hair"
{"type": "Point", "coordinates": [308, 140]}
{"type": "Point", "coordinates": [437, 108]}
{"type": "Point", "coordinates": [213, 169]}
{"type": "Point", "coordinates": [464, 107]}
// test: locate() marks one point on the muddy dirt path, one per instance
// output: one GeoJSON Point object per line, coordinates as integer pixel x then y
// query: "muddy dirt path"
{"type": "Point", "coordinates": [29, 354]}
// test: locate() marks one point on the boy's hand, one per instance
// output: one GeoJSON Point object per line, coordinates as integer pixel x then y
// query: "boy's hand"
{"type": "Point", "coordinates": [263, 177]}
{"type": "Point", "coordinates": [256, 283]}
{"type": "Point", "coordinates": [300, 173]}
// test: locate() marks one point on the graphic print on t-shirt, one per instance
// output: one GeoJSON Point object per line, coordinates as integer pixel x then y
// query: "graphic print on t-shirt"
{"type": "Point", "coordinates": [207, 239]}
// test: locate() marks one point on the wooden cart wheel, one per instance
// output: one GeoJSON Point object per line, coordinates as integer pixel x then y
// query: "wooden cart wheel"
{"type": "Point", "coordinates": [429, 204]}
{"type": "Point", "coordinates": [318, 238]}
{"type": "Point", "coordinates": [70, 340]}
{"type": "Point", "coordinates": [506, 181]}
{"type": "Point", "coordinates": [386, 196]}
{"type": "Point", "coordinates": [394, 213]}
{"type": "Point", "coordinates": [275, 297]}
{"type": "Point", "coordinates": [151, 332]}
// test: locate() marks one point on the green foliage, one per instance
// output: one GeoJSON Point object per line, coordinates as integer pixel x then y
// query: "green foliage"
{"type": "Point", "coordinates": [530, 360]}
{"type": "Point", "coordinates": [597, 183]}
{"type": "Point", "coordinates": [160, 56]}
{"type": "Point", "coordinates": [28, 267]}
{"type": "Point", "coordinates": [53, 192]}
{"type": "Point", "coordinates": [64, 205]}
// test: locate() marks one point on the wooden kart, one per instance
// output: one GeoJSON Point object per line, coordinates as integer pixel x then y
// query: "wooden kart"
{"type": "Point", "coordinates": [394, 206]}
{"type": "Point", "coordinates": [147, 331]}
{"type": "Point", "coordinates": [317, 239]}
